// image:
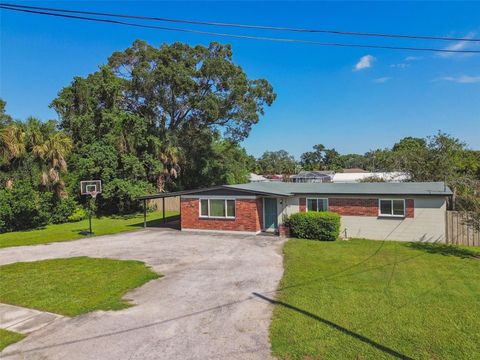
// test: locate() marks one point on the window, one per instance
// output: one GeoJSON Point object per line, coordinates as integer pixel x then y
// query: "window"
{"type": "Point", "coordinates": [395, 207]}
{"type": "Point", "coordinates": [217, 208]}
{"type": "Point", "coordinates": [317, 204]}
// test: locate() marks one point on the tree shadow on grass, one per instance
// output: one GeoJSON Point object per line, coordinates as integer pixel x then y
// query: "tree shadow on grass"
{"type": "Point", "coordinates": [335, 326]}
{"type": "Point", "coordinates": [444, 249]}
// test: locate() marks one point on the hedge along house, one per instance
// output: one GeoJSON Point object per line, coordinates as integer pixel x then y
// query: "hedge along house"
{"type": "Point", "coordinates": [392, 211]}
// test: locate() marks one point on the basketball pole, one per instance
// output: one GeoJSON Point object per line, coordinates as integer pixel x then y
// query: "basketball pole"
{"type": "Point", "coordinates": [92, 188]}
{"type": "Point", "coordinates": [90, 220]}
{"type": "Point", "coordinates": [144, 213]}
{"type": "Point", "coordinates": [90, 214]}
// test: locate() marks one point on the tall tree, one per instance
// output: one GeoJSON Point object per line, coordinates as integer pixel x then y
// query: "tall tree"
{"type": "Point", "coordinates": [313, 160]}
{"type": "Point", "coordinates": [5, 119]}
{"type": "Point", "coordinates": [276, 162]}
{"type": "Point", "coordinates": [148, 100]}
{"type": "Point", "coordinates": [332, 160]}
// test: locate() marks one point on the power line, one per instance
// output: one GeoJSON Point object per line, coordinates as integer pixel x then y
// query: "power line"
{"type": "Point", "coordinates": [237, 36]}
{"type": "Point", "coordinates": [244, 26]}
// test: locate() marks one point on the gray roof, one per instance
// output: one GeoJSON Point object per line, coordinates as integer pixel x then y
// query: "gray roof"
{"type": "Point", "coordinates": [313, 174]}
{"type": "Point", "coordinates": [286, 189]}
{"type": "Point", "coordinates": [379, 188]}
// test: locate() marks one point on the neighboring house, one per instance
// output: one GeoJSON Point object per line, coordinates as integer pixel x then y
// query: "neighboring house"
{"type": "Point", "coordinates": [384, 211]}
{"type": "Point", "coordinates": [256, 178]}
{"type": "Point", "coordinates": [312, 177]}
{"type": "Point", "coordinates": [351, 177]}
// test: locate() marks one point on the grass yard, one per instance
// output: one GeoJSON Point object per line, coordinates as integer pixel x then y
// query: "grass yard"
{"type": "Point", "coordinates": [8, 338]}
{"type": "Point", "coordinates": [72, 286]}
{"type": "Point", "coordinates": [77, 230]}
{"type": "Point", "coordinates": [364, 299]}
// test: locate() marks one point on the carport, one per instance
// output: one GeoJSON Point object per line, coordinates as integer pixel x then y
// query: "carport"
{"type": "Point", "coordinates": [158, 196]}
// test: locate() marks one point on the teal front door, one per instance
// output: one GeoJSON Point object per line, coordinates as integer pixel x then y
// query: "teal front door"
{"type": "Point", "coordinates": [270, 214]}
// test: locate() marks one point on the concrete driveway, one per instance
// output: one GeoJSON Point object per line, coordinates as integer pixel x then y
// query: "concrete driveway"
{"type": "Point", "coordinates": [202, 309]}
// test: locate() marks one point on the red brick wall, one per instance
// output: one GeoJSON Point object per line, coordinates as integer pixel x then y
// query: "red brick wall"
{"type": "Point", "coordinates": [409, 208]}
{"type": "Point", "coordinates": [363, 207]}
{"type": "Point", "coordinates": [248, 216]}
{"type": "Point", "coordinates": [260, 214]}
{"type": "Point", "coordinates": [283, 230]}
{"type": "Point", "coordinates": [353, 206]}
{"type": "Point", "coordinates": [303, 204]}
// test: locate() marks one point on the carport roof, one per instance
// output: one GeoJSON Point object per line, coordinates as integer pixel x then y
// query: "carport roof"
{"type": "Point", "coordinates": [220, 187]}
{"type": "Point", "coordinates": [283, 189]}
{"type": "Point", "coordinates": [164, 195]}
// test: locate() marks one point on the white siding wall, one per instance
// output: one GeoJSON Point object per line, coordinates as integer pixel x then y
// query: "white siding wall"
{"type": "Point", "coordinates": [428, 224]}
{"type": "Point", "coordinates": [287, 207]}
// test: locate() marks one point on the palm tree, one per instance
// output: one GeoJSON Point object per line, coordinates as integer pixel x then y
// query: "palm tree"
{"type": "Point", "coordinates": [12, 142]}
{"type": "Point", "coordinates": [169, 155]}
{"type": "Point", "coordinates": [50, 148]}
{"type": "Point", "coordinates": [51, 154]}
{"type": "Point", "coordinates": [12, 148]}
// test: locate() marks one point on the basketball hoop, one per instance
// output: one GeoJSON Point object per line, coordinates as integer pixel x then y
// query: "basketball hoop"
{"type": "Point", "coordinates": [92, 188]}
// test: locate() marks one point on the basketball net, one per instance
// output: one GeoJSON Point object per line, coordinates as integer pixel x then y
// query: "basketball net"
{"type": "Point", "coordinates": [94, 194]}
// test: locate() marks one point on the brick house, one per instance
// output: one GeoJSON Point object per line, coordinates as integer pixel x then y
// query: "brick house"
{"type": "Point", "coordinates": [397, 211]}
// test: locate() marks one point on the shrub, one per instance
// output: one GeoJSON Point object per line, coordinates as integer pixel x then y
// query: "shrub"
{"type": "Point", "coordinates": [6, 213]}
{"type": "Point", "coordinates": [78, 214]}
{"type": "Point", "coordinates": [62, 210]}
{"type": "Point", "coordinates": [315, 225]}
{"type": "Point", "coordinates": [23, 207]}
{"type": "Point", "coordinates": [119, 196]}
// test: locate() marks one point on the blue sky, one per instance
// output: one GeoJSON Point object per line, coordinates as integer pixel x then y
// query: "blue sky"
{"type": "Point", "coordinates": [351, 99]}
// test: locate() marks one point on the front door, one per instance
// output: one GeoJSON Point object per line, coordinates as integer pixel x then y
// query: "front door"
{"type": "Point", "coordinates": [270, 219]}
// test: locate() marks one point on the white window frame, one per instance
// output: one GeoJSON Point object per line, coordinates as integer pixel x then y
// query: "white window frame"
{"type": "Point", "coordinates": [315, 198]}
{"type": "Point", "coordinates": [392, 215]}
{"type": "Point", "coordinates": [225, 199]}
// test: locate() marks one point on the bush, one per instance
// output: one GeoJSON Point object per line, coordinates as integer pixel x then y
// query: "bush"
{"type": "Point", "coordinates": [6, 213]}
{"type": "Point", "coordinates": [315, 225]}
{"type": "Point", "coordinates": [23, 207]}
{"type": "Point", "coordinates": [119, 196]}
{"type": "Point", "coordinates": [78, 214]}
{"type": "Point", "coordinates": [62, 210]}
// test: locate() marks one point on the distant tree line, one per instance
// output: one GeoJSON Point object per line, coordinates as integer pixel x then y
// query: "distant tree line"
{"type": "Point", "coordinates": [436, 158]}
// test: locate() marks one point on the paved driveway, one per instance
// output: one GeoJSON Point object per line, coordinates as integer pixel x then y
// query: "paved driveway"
{"type": "Point", "coordinates": [202, 309]}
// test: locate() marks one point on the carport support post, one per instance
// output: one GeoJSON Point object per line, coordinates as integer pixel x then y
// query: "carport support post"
{"type": "Point", "coordinates": [144, 213]}
{"type": "Point", "coordinates": [163, 209]}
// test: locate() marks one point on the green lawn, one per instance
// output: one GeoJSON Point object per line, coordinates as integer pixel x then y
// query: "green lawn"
{"type": "Point", "coordinates": [77, 230]}
{"type": "Point", "coordinates": [72, 286]}
{"type": "Point", "coordinates": [364, 299]}
{"type": "Point", "coordinates": [8, 338]}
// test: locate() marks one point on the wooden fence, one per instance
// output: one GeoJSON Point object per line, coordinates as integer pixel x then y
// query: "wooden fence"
{"type": "Point", "coordinates": [171, 204]}
{"type": "Point", "coordinates": [459, 233]}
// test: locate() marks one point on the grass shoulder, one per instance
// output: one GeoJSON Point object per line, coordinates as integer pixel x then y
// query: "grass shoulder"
{"type": "Point", "coordinates": [8, 338]}
{"type": "Point", "coordinates": [77, 230]}
{"type": "Point", "coordinates": [72, 286]}
{"type": "Point", "coordinates": [376, 299]}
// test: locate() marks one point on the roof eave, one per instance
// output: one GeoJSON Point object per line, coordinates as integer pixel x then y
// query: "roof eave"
{"type": "Point", "coordinates": [374, 193]}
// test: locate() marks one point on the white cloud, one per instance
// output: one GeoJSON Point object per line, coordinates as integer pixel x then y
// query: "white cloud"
{"type": "Point", "coordinates": [460, 45]}
{"type": "Point", "coordinates": [400, 65]}
{"type": "Point", "coordinates": [365, 62]}
{"type": "Point", "coordinates": [413, 58]}
{"type": "Point", "coordinates": [462, 79]}
{"type": "Point", "coordinates": [381, 80]}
